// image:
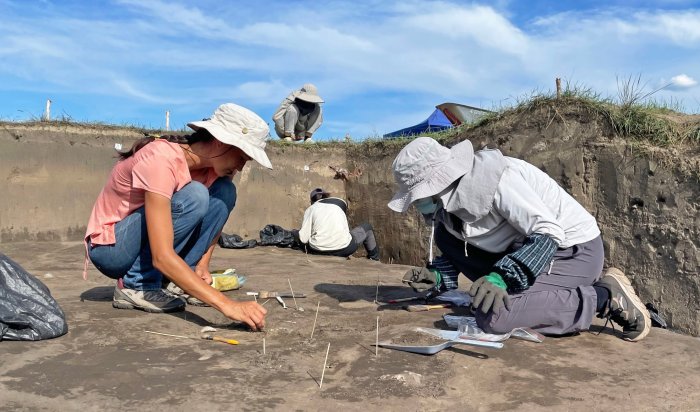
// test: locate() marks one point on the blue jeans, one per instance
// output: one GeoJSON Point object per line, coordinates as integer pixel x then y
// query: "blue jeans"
{"type": "Point", "coordinates": [198, 216]}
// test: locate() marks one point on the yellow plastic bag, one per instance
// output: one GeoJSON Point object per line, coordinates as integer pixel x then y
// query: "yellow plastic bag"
{"type": "Point", "coordinates": [223, 280]}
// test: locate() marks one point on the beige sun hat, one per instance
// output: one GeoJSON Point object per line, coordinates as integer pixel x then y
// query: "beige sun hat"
{"type": "Point", "coordinates": [237, 126]}
{"type": "Point", "coordinates": [309, 93]}
{"type": "Point", "coordinates": [424, 168]}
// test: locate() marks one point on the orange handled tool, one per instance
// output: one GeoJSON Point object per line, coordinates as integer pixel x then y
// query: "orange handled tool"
{"type": "Point", "coordinates": [218, 339]}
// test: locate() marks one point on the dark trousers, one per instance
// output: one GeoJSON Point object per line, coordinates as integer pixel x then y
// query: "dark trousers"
{"type": "Point", "coordinates": [361, 235]}
{"type": "Point", "coordinates": [562, 299]}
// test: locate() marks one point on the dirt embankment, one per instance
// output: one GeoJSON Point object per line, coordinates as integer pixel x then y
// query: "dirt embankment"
{"type": "Point", "coordinates": [646, 200]}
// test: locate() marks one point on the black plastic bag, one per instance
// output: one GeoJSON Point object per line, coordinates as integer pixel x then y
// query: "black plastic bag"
{"type": "Point", "coordinates": [234, 241]}
{"type": "Point", "coordinates": [273, 235]}
{"type": "Point", "coordinates": [27, 310]}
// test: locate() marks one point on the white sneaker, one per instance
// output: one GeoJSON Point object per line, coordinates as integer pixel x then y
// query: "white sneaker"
{"type": "Point", "coordinates": [308, 140]}
{"type": "Point", "coordinates": [287, 139]}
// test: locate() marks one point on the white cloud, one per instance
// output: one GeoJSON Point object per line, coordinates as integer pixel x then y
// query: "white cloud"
{"type": "Point", "coordinates": [261, 92]}
{"type": "Point", "coordinates": [682, 82]}
{"type": "Point", "coordinates": [475, 25]}
{"type": "Point", "coordinates": [125, 87]}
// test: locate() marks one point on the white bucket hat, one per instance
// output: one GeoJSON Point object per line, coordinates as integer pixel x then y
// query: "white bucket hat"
{"type": "Point", "coordinates": [237, 126]}
{"type": "Point", "coordinates": [309, 93]}
{"type": "Point", "coordinates": [425, 168]}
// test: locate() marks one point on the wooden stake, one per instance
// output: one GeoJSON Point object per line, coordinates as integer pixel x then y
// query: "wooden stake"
{"type": "Point", "coordinates": [168, 334]}
{"type": "Point", "coordinates": [324, 366]}
{"type": "Point", "coordinates": [292, 290]}
{"type": "Point", "coordinates": [376, 294]}
{"type": "Point", "coordinates": [263, 346]}
{"type": "Point", "coordinates": [167, 120]}
{"type": "Point", "coordinates": [316, 317]}
{"type": "Point", "coordinates": [376, 343]}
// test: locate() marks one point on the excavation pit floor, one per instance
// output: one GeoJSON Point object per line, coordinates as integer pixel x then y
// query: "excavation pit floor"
{"type": "Point", "coordinates": [107, 361]}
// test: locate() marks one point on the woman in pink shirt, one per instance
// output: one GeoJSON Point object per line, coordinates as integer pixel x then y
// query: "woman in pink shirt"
{"type": "Point", "coordinates": [163, 208]}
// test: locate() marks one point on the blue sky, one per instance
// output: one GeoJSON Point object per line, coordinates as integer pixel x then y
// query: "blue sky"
{"type": "Point", "coordinates": [380, 65]}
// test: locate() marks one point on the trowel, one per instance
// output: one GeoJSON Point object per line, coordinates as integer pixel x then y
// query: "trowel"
{"type": "Point", "coordinates": [451, 338]}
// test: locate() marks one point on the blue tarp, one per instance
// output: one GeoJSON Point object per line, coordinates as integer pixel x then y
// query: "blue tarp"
{"type": "Point", "coordinates": [436, 122]}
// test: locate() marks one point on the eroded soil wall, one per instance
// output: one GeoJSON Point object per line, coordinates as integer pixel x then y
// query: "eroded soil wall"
{"type": "Point", "coordinates": [51, 174]}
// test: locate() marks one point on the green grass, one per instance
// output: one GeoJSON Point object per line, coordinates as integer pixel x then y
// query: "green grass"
{"type": "Point", "coordinates": [634, 114]}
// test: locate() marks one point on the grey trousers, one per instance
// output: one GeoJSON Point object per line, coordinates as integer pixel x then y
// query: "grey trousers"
{"type": "Point", "coordinates": [562, 299]}
{"type": "Point", "coordinates": [294, 123]}
{"type": "Point", "coordinates": [364, 234]}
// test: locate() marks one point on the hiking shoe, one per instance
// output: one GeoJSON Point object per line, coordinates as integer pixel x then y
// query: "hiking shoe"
{"type": "Point", "coordinates": [154, 301]}
{"type": "Point", "coordinates": [308, 140]}
{"type": "Point", "coordinates": [174, 290]}
{"type": "Point", "coordinates": [287, 139]}
{"type": "Point", "coordinates": [624, 307]}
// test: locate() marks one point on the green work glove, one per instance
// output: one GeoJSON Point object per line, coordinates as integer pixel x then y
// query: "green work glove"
{"type": "Point", "coordinates": [422, 279]}
{"type": "Point", "coordinates": [489, 293]}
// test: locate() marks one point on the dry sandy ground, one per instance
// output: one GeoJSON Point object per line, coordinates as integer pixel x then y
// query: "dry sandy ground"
{"type": "Point", "coordinates": [107, 362]}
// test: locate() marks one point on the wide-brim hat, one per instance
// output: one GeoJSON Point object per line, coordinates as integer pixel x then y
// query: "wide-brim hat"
{"type": "Point", "coordinates": [425, 168]}
{"type": "Point", "coordinates": [237, 126]}
{"type": "Point", "coordinates": [309, 93]}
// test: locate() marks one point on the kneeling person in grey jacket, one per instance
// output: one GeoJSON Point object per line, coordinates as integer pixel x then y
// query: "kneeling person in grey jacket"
{"type": "Point", "coordinates": [534, 253]}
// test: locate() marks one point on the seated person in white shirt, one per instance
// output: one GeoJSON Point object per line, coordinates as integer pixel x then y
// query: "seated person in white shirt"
{"type": "Point", "coordinates": [325, 230]}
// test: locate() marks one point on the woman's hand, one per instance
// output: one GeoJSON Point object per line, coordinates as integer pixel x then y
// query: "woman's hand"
{"type": "Point", "coordinates": [251, 313]}
{"type": "Point", "coordinates": [204, 274]}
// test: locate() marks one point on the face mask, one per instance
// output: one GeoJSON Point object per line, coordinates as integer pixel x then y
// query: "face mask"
{"type": "Point", "coordinates": [426, 206]}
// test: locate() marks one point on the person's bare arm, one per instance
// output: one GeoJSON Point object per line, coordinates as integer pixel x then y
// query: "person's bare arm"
{"type": "Point", "coordinates": [160, 235]}
{"type": "Point", "coordinates": [202, 269]}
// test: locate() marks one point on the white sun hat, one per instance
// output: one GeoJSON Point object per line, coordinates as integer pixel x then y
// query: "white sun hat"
{"type": "Point", "coordinates": [309, 93]}
{"type": "Point", "coordinates": [237, 126]}
{"type": "Point", "coordinates": [425, 168]}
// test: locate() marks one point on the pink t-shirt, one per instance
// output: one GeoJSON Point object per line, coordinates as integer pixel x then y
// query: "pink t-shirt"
{"type": "Point", "coordinates": [159, 167]}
